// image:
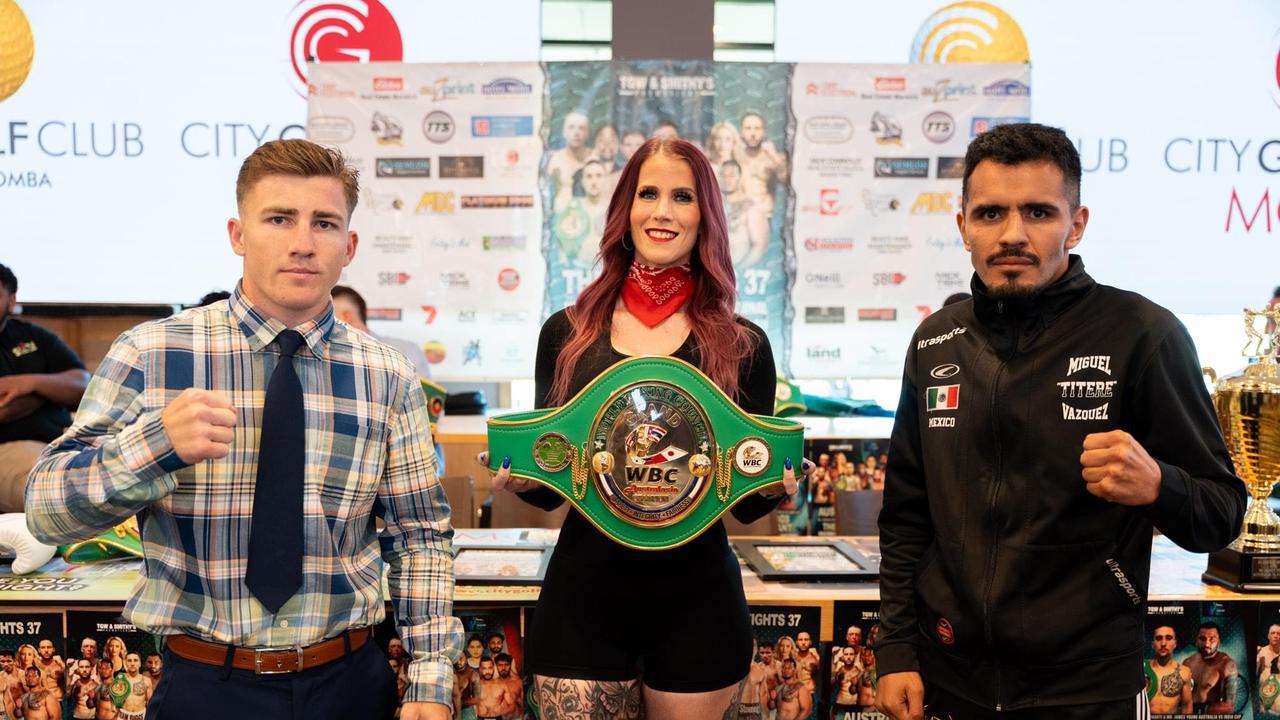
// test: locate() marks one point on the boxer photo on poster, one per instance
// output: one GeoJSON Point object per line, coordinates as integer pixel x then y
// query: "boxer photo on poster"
{"type": "Point", "coordinates": [112, 667]}
{"type": "Point", "coordinates": [1194, 664]}
{"type": "Point", "coordinates": [853, 662]}
{"type": "Point", "coordinates": [786, 670]}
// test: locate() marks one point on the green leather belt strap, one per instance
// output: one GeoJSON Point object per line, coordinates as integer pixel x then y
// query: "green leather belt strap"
{"type": "Point", "coordinates": [652, 452]}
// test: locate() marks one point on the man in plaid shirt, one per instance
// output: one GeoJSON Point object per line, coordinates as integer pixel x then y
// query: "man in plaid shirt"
{"type": "Point", "coordinates": [169, 429]}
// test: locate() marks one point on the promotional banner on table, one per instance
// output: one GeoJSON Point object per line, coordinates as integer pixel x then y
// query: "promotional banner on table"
{"type": "Point", "coordinates": [486, 189]}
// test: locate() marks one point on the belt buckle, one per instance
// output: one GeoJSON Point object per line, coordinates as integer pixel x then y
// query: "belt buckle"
{"type": "Point", "coordinates": [257, 660]}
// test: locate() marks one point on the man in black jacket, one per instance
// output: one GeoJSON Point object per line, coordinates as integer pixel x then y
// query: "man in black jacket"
{"type": "Point", "coordinates": [1044, 428]}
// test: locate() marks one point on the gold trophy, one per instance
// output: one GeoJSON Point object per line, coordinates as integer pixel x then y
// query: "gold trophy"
{"type": "Point", "coordinates": [1248, 406]}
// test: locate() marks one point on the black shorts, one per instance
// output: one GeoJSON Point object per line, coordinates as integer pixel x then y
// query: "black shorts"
{"type": "Point", "coordinates": [684, 629]}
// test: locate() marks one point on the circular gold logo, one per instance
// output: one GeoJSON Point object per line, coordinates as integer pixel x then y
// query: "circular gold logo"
{"type": "Point", "coordinates": [658, 444]}
{"type": "Point", "coordinates": [970, 32]}
{"type": "Point", "coordinates": [552, 452]}
{"type": "Point", "coordinates": [752, 457]}
{"type": "Point", "coordinates": [17, 48]}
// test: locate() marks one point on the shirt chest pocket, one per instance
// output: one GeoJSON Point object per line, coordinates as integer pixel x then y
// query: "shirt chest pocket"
{"type": "Point", "coordinates": [356, 457]}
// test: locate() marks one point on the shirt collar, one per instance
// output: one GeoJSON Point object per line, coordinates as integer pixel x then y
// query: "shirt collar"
{"type": "Point", "coordinates": [261, 330]}
{"type": "Point", "coordinates": [1045, 305]}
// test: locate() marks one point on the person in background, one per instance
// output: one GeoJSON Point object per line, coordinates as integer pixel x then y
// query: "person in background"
{"type": "Point", "coordinates": [41, 380]}
{"type": "Point", "coordinates": [349, 307]}
{"type": "Point", "coordinates": [212, 297]}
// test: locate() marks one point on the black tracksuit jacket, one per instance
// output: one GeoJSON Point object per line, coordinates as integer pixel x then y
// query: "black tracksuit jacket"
{"type": "Point", "coordinates": [1003, 581]}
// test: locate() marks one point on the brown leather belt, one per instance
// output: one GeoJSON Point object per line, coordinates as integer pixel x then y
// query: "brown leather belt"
{"type": "Point", "coordinates": [268, 661]}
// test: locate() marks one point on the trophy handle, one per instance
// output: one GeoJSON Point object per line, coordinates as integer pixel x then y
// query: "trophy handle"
{"type": "Point", "coordinates": [1272, 330]}
{"type": "Point", "coordinates": [1211, 374]}
{"type": "Point", "coordinates": [1253, 346]}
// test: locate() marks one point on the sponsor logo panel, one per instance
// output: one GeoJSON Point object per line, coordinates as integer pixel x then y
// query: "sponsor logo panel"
{"type": "Point", "coordinates": [902, 167]}
{"type": "Point", "coordinates": [402, 167]}
{"type": "Point", "coordinates": [824, 315]}
{"type": "Point", "coordinates": [488, 126]}
{"type": "Point", "coordinates": [461, 166]}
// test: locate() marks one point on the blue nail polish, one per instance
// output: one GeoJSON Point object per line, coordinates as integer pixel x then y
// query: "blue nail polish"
{"type": "Point", "coordinates": [805, 465]}
{"type": "Point", "coordinates": [787, 463]}
{"type": "Point", "coordinates": [506, 462]}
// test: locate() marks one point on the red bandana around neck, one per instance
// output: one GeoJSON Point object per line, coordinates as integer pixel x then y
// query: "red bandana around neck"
{"type": "Point", "coordinates": [654, 294]}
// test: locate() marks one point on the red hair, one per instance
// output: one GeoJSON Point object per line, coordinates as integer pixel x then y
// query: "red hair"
{"type": "Point", "coordinates": [720, 342]}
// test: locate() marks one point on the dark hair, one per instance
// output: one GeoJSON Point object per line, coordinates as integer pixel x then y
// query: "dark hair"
{"type": "Point", "coordinates": [502, 657]}
{"type": "Point", "coordinates": [496, 634]}
{"type": "Point", "coordinates": [8, 280]}
{"type": "Point", "coordinates": [721, 343]}
{"type": "Point", "coordinates": [1019, 143]}
{"type": "Point", "coordinates": [789, 660]}
{"type": "Point", "coordinates": [1210, 625]}
{"type": "Point", "coordinates": [6, 653]}
{"type": "Point", "coordinates": [752, 113]}
{"type": "Point", "coordinates": [342, 291]}
{"type": "Point", "coordinates": [210, 298]}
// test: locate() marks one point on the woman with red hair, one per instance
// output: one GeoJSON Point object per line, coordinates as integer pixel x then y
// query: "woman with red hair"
{"type": "Point", "coordinates": [608, 614]}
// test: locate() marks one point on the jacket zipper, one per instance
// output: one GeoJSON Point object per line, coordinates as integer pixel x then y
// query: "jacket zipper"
{"type": "Point", "coordinates": [995, 520]}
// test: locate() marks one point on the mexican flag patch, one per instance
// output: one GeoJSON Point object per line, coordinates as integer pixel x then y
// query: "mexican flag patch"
{"type": "Point", "coordinates": [942, 397]}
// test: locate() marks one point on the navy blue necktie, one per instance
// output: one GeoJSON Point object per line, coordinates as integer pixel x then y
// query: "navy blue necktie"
{"type": "Point", "coordinates": [275, 538]}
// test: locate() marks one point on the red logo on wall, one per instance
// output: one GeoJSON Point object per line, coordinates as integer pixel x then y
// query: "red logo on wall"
{"type": "Point", "coordinates": [508, 279]}
{"type": "Point", "coordinates": [829, 201]}
{"type": "Point", "coordinates": [1275, 79]}
{"type": "Point", "coordinates": [340, 31]}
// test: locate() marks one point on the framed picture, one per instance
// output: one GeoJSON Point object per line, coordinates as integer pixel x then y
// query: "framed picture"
{"type": "Point", "coordinates": [817, 559]}
{"type": "Point", "coordinates": [512, 565]}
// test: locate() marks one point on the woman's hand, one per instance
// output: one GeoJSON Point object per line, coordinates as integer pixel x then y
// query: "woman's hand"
{"type": "Point", "coordinates": [789, 482]}
{"type": "Point", "coordinates": [502, 479]}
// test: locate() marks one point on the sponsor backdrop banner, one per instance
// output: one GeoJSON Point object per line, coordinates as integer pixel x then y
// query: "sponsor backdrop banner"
{"type": "Point", "coordinates": [879, 153]}
{"type": "Point", "coordinates": [470, 210]}
{"type": "Point", "coordinates": [107, 181]}
{"type": "Point", "coordinates": [448, 157]}
{"type": "Point", "coordinates": [1179, 149]}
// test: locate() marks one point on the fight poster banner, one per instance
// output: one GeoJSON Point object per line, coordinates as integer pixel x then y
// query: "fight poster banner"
{"type": "Point", "coordinates": [852, 663]}
{"type": "Point", "coordinates": [449, 215]}
{"type": "Point", "coordinates": [112, 667]}
{"type": "Point", "coordinates": [32, 671]}
{"type": "Point", "coordinates": [601, 113]}
{"type": "Point", "coordinates": [878, 161]}
{"type": "Point", "coordinates": [785, 677]}
{"type": "Point", "coordinates": [1196, 663]}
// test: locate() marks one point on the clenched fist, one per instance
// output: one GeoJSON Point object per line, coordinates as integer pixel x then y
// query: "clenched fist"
{"type": "Point", "coordinates": [1118, 469]}
{"type": "Point", "coordinates": [199, 424]}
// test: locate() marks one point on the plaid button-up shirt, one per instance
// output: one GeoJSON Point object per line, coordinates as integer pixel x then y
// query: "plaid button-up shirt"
{"type": "Point", "coordinates": [368, 453]}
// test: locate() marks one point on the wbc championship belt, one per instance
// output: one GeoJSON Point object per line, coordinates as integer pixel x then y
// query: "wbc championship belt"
{"type": "Point", "coordinates": [651, 451]}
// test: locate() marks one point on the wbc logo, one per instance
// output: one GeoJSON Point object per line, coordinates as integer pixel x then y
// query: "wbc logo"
{"type": "Point", "coordinates": [340, 31]}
